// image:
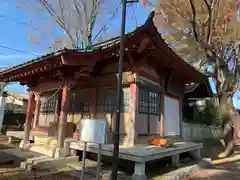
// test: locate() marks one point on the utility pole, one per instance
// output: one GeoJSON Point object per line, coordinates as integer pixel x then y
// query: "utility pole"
{"type": "Point", "coordinates": [119, 91]}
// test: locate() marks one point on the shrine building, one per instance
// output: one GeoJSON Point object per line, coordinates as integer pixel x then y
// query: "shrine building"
{"type": "Point", "coordinates": [71, 84]}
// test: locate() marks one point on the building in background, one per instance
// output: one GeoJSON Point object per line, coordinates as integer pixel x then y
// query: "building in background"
{"type": "Point", "coordinates": [16, 102]}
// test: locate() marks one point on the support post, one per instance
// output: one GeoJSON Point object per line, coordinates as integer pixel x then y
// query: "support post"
{"type": "Point", "coordinates": [139, 171]}
{"type": "Point", "coordinates": [37, 112]}
{"type": "Point", "coordinates": [2, 108]}
{"type": "Point", "coordinates": [119, 91]}
{"type": "Point", "coordinates": [196, 154]}
{"type": "Point", "coordinates": [175, 160]}
{"type": "Point", "coordinates": [181, 117]}
{"type": "Point", "coordinates": [99, 176]}
{"type": "Point", "coordinates": [83, 160]}
{"type": "Point", "coordinates": [29, 118]}
{"type": "Point", "coordinates": [57, 108]}
{"type": "Point", "coordinates": [60, 152]}
{"type": "Point", "coordinates": [132, 118]}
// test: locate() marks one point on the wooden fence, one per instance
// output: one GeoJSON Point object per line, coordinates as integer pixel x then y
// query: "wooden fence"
{"type": "Point", "coordinates": [200, 132]}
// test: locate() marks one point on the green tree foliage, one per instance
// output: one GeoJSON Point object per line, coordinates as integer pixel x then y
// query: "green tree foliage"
{"type": "Point", "coordinates": [209, 115]}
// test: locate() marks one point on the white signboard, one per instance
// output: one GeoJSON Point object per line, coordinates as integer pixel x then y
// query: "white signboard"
{"type": "Point", "coordinates": [93, 130]}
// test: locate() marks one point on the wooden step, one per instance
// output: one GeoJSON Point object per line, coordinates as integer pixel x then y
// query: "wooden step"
{"type": "Point", "coordinates": [49, 141]}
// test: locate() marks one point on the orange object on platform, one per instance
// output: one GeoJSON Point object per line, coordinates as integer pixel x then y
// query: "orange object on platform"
{"type": "Point", "coordinates": [159, 141]}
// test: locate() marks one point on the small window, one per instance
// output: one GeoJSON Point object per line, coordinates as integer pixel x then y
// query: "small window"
{"type": "Point", "coordinates": [149, 102]}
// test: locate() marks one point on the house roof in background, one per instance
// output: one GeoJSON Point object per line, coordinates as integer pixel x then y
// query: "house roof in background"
{"type": "Point", "coordinates": [17, 95]}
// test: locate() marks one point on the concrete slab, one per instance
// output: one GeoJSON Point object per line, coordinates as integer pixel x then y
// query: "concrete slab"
{"type": "Point", "coordinates": [52, 163]}
{"type": "Point", "coordinates": [141, 153]}
{"type": "Point", "coordinates": [47, 163]}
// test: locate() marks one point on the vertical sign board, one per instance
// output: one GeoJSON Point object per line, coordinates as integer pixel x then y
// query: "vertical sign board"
{"type": "Point", "coordinates": [92, 131]}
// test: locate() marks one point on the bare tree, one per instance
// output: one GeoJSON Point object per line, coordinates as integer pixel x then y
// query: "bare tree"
{"type": "Point", "coordinates": [205, 33]}
{"type": "Point", "coordinates": [75, 18]}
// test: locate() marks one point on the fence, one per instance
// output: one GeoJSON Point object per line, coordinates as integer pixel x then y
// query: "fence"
{"type": "Point", "coordinates": [200, 132]}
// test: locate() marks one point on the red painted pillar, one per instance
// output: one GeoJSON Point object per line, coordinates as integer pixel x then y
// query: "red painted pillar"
{"type": "Point", "coordinates": [57, 108]}
{"type": "Point", "coordinates": [37, 112]}
{"type": "Point", "coordinates": [132, 116]}
{"type": "Point", "coordinates": [63, 116]}
{"type": "Point", "coordinates": [29, 116]}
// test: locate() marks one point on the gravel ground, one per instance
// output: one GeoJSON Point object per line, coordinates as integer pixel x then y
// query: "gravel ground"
{"type": "Point", "coordinates": [9, 170]}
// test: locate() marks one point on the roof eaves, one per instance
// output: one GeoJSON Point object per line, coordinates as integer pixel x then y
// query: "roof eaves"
{"type": "Point", "coordinates": [38, 59]}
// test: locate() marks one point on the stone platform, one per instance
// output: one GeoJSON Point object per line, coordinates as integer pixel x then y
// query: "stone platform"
{"type": "Point", "coordinates": [139, 154]}
{"type": "Point", "coordinates": [142, 153]}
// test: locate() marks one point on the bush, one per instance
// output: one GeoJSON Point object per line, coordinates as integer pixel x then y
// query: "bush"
{"type": "Point", "coordinates": [209, 115]}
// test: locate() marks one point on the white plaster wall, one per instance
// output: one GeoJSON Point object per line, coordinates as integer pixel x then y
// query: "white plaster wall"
{"type": "Point", "coordinates": [171, 121]}
{"type": "Point", "coordinates": [45, 119]}
{"type": "Point", "coordinates": [154, 124]}
{"type": "Point", "coordinates": [141, 123]}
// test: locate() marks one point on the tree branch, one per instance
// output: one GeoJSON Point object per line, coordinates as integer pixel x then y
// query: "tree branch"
{"type": "Point", "coordinates": [59, 21]}
{"type": "Point", "coordinates": [193, 21]}
{"type": "Point", "coordinates": [211, 9]}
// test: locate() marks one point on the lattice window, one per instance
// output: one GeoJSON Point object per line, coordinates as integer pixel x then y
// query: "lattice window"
{"type": "Point", "coordinates": [48, 104]}
{"type": "Point", "coordinates": [154, 103]}
{"type": "Point", "coordinates": [106, 99]}
{"type": "Point", "coordinates": [149, 102]}
{"type": "Point", "coordinates": [80, 101]}
{"type": "Point", "coordinates": [143, 101]}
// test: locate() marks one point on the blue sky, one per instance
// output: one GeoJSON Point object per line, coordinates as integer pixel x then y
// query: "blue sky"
{"type": "Point", "coordinates": [13, 34]}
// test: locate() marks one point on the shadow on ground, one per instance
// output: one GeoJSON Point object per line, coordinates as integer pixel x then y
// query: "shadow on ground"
{"type": "Point", "coordinates": [211, 148]}
{"type": "Point", "coordinates": [226, 169]}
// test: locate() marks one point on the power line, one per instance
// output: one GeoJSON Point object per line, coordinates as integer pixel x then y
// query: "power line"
{"type": "Point", "coordinates": [105, 25]}
{"type": "Point", "coordinates": [18, 22]}
{"type": "Point", "coordinates": [17, 50]}
{"type": "Point", "coordinates": [134, 14]}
